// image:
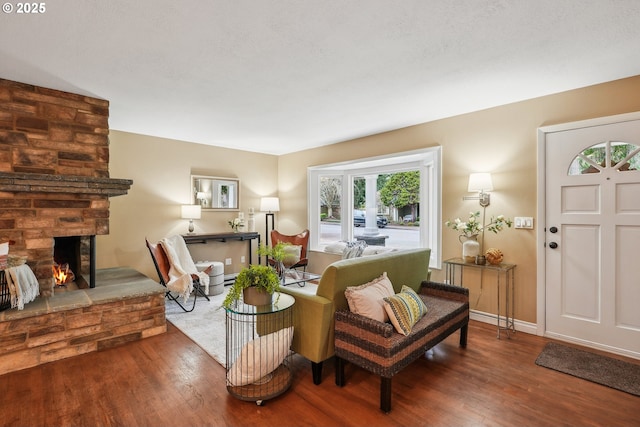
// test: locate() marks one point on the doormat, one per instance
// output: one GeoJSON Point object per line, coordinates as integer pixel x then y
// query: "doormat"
{"type": "Point", "coordinates": [593, 367]}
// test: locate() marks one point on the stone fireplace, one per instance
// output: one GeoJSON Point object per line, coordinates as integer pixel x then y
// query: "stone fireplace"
{"type": "Point", "coordinates": [54, 201]}
{"type": "Point", "coordinates": [54, 177]}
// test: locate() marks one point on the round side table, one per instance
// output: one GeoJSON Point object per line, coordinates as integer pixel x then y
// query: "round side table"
{"type": "Point", "coordinates": [258, 341]}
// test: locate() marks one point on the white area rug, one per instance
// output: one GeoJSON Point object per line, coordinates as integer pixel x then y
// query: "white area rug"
{"type": "Point", "coordinates": [205, 324]}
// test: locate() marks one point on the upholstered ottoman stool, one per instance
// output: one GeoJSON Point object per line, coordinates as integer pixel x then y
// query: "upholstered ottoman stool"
{"type": "Point", "coordinates": [216, 276]}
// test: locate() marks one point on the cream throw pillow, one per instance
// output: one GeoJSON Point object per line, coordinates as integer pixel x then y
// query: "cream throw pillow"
{"type": "Point", "coordinates": [367, 300]}
{"type": "Point", "coordinates": [260, 357]}
{"type": "Point", "coordinates": [291, 255]}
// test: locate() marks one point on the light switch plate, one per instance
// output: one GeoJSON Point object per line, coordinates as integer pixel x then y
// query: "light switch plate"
{"type": "Point", "coordinates": [523, 222]}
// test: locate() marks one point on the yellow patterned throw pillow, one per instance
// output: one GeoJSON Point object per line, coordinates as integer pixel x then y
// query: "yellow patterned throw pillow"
{"type": "Point", "coordinates": [405, 309]}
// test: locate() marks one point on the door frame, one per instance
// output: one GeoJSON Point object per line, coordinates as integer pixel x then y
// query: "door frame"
{"type": "Point", "coordinates": [542, 197]}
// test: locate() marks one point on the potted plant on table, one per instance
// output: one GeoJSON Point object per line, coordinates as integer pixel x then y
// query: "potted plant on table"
{"type": "Point", "coordinates": [281, 255]}
{"type": "Point", "coordinates": [259, 281]}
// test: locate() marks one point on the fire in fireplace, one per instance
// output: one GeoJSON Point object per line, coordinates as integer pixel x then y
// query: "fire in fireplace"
{"type": "Point", "coordinates": [63, 274]}
{"type": "Point", "coordinates": [74, 261]}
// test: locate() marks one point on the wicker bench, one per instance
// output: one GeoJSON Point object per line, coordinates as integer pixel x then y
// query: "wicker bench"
{"type": "Point", "coordinates": [378, 348]}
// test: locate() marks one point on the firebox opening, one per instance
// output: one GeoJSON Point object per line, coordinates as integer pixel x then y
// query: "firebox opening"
{"type": "Point", "coordinates": [73, 261]}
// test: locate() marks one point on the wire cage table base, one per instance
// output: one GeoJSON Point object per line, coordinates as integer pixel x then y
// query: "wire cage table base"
{"type": "Point", "coordinates": [258, 342]}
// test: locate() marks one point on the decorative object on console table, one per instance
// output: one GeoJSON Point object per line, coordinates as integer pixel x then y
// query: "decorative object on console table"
{"type": "Point", "coordinates": [191, 212]}
{"type": "Point", "coordinates": [269, 205]}
{"type": "Point", "coordinates": [480, 182]}
{"type": "Point", "coordinates": [235, 224]}
{"type": "Point", "coordinates": [470, 247]}
{"type": "Point", "coordinates": [494, 256]}
{"type": "Point", "coordinates": [251, 222]}
{"type": "Point", "coordinates": [241, 226]}
{"type": "Point", "coordinates": [469, 235]}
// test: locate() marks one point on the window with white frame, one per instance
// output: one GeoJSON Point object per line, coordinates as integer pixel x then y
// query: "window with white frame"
{"type": "Point", "coordinates": [392, 200]}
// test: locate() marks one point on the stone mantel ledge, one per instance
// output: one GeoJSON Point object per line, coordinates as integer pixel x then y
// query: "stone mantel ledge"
{"type": "Point", "coordinates": [112, 284]}
{"type": "Point", "coordinates": [45, 183]}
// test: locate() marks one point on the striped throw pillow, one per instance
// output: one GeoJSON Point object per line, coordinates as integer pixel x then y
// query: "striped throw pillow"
{"type": "Point", "coordinates": [405, 309]}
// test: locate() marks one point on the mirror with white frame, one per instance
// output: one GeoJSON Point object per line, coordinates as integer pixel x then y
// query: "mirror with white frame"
{"type": "Point", "coordinates": [217, 193]}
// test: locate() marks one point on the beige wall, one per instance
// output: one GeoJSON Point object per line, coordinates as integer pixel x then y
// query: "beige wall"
{"type": "Point", "coordinates": [500, 140]}
{"type": "Point", "coordinates": [161, 169]}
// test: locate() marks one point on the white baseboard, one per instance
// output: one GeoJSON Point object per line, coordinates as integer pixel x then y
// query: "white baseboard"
{"type": "Point", "coordinates": [521, 326]}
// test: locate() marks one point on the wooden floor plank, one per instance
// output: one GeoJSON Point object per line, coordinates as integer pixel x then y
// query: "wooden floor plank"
{"type": "Point", "coordinates": [167, 380]}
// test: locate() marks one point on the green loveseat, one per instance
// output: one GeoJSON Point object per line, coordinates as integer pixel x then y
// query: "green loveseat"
{"type": "Point", "coordinates": [315, 307]}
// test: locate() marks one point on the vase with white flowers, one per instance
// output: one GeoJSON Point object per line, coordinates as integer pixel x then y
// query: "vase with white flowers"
{"type": "Point", "coordinates": [235, 223]}
{"type": "Point", "coordinates": [469, 231]}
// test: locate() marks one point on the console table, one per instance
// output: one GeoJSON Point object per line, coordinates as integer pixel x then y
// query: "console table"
{"type": "Point", "coordinates": [224, 237]}
{"type": "Point", "coordinates": [507, 270]}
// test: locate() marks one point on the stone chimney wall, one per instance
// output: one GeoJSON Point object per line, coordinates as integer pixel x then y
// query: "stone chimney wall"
{"type": "Point", "coordinates": [54, 171]}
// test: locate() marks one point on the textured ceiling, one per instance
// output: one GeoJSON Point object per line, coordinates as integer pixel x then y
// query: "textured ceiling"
{"type": "Point", "coordinates": [278, 76]}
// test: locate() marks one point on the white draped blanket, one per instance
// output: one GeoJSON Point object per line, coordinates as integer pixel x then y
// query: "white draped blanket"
{"type": "Point", "coordinates": [181, 267]}
{"type": "Point", "coordinates": [23, 285]}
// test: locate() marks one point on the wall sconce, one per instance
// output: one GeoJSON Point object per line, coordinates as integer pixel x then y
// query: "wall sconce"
{"type": "Point", "coordinates": [480, 182]}
{"type": "Point", "coordinates": [269, 205]}
{"type": "Point", "coordinates": [191, 212]}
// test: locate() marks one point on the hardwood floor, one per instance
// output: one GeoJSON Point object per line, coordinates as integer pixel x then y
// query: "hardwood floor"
{"type": "Point", "coordinates": [167, 380]}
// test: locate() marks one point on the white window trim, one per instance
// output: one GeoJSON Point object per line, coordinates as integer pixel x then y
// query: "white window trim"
{"type": "Point", "coordinates": [427, 161]}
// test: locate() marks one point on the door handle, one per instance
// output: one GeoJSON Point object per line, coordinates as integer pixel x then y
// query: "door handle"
{"type": "Point", "coordinates": [553, 245]}
{"type": "Point", "coordinates": [553, 229]}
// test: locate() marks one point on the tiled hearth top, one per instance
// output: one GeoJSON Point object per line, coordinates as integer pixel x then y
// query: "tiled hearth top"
{"type": "Point", "coordinates": [112, 284]}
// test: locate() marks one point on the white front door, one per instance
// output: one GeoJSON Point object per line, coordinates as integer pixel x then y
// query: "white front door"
{"type": "Point", "coordinates": [592, 236]}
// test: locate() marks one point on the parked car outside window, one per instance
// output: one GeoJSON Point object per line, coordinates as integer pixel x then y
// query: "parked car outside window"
{"type": "Point", "coordinates": [359, 219]}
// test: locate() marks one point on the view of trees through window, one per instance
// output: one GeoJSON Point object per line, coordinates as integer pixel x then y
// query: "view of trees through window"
{"type": "Point", "coordinates": [396, 201]}
{"type": "Point", "coordinates": [391, 200]}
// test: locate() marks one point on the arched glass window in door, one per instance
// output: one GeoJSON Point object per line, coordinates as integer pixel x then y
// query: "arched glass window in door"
{"type": "Point", "coordinates": [619, 155]}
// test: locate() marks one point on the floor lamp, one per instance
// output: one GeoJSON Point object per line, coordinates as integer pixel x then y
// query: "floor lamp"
{"type": "Point", "coordinates": [269, 205]}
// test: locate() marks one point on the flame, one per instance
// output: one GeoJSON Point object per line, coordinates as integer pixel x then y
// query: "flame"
{"type": "Point", "coordinates": [62, 274]}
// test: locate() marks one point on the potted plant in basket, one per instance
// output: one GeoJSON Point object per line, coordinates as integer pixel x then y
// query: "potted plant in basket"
{"type": "Point", "coordinates": [261, 280]}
